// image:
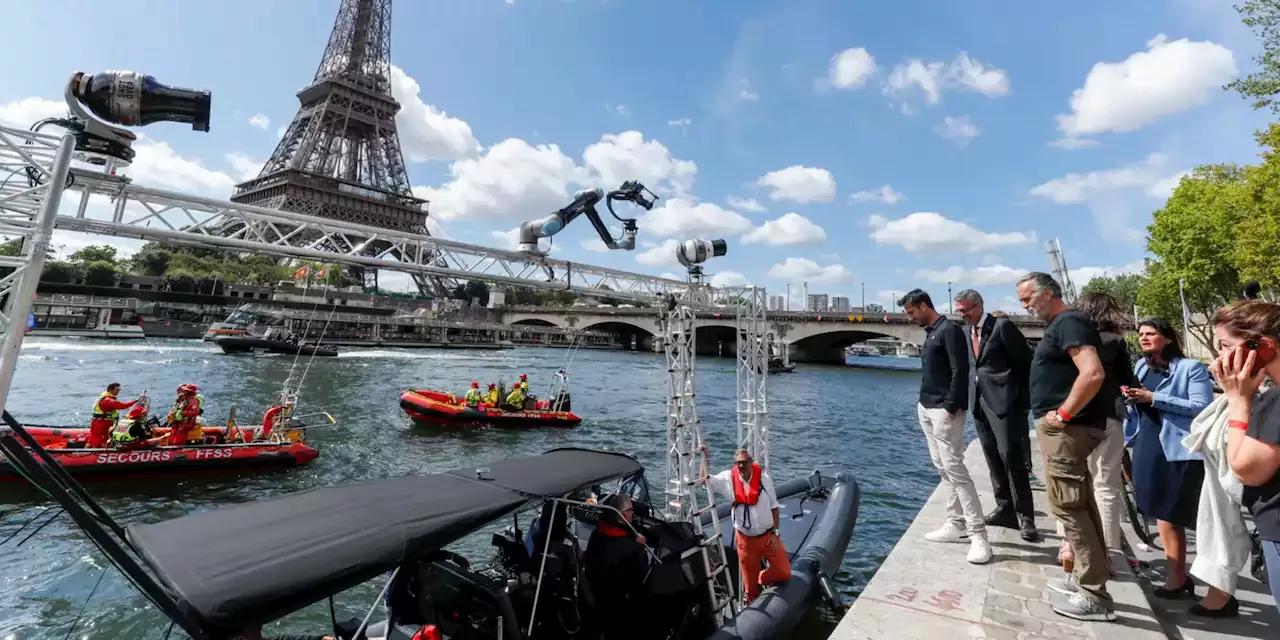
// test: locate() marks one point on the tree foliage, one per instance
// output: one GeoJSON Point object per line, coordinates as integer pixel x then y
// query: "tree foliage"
{"type": "Point", "coordinates": [1124, 288]}
{"type": "Point", "coordinates": [1261, 86]}
{"type": "Point", "coordinates": [472, 291]}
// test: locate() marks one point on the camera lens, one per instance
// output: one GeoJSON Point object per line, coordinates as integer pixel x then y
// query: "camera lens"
{"type": "Point", "coordinates": [719, 248]}
{"type": "Point", "coordinates": [133, 99]}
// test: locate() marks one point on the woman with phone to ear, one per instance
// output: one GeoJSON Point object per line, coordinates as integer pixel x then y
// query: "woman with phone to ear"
{"type": "Point", "coordinates": [1166, 476]}
{"type": "Point", "coordinates": [1247, 334]}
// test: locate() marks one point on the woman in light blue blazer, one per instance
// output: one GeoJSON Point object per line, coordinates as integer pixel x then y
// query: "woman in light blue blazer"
{"type": "Point", "coordinates": [1167, 477]}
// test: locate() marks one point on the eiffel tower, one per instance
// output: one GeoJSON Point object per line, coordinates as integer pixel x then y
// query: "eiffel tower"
{"type": "Point", "coordinates": [340, 158]}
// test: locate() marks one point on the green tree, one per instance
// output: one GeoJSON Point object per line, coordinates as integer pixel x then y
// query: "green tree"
{"type": "Point", "coordinates": [1257, 235]}
{"type": "Point", "coordinates": [151, 260]}
{"type": "Point", "coordinates": [1261, 86]}
{"type": "Point", "coordinates": [1124, 288]}
{"type": "Point", "coordinates": [96, 253]}
{"type": "Point", "coordinates": [99, 273]}
{"type": "Point", "coordinates": [472, 290]}
{"type": "Point", "coordinates": [60, 271]}
{"type": "Point", "coordinates": [11, 248]}
{"type": "Point", "coordinates": [1192, 238]}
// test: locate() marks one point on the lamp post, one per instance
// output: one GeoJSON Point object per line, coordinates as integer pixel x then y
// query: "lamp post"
{"type": "Point", "coordinates": [864, 297]}
{"type": "Point", "coordinates": [953, 302]}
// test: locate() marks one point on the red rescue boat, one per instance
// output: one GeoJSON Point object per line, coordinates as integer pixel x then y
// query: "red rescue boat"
{"type": "Point", "coordinates": [438, 407]}
{"type": "Point", "coordinates": [66, 445]}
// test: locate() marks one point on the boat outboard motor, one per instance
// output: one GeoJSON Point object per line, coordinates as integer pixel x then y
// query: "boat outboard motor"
{"type": "Point", "coordinates": [561, 402]}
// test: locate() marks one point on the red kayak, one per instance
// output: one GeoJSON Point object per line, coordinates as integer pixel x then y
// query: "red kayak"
{"type": "Point", "coordinates": [436, 407]}
{"type": "Point", "coordinates": [66, 445]}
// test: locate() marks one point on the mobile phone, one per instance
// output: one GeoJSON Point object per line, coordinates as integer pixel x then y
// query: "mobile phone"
{"type": "Point", "coordinates": [1265, 351]}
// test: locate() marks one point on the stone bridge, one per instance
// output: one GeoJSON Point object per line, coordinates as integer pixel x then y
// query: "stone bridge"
{"type": "Point", "coordinates": [809, 336]}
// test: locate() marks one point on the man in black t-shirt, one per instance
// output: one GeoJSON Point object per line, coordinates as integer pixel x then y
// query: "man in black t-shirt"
{"type": "Point", "coordinates": [944, 396]}
{"type": "Point", "coordinates": [1066, 375]}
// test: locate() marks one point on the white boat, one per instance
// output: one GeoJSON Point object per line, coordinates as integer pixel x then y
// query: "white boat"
{"type": "Point", "coordinates": [862, 350]}
{"type": "Point", "coordinates": [78, 316]}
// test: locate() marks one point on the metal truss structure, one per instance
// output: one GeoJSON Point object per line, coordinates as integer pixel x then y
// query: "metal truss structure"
{"type": "Point", "coordinates": [110, 205]}
{"type": "Point", "coordinates": [754, 349]}
{"type": "Point", "coordinates": [340, 158]}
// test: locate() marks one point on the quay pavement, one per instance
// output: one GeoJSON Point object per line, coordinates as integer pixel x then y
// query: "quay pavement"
{"type": "Point", "coordinates": [927, 591]}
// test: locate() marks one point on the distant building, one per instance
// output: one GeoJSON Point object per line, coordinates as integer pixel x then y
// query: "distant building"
{"type": "Point", "coordinates": [817, 302]}
{"type": "Point", "coordinates": [777, 303]}
{"type": "Point", "coordinates": [874, 308]}
{"type": "Point", "coordinates": [840, 304]}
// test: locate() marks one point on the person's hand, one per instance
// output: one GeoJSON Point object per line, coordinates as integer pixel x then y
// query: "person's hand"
{"type": "Point", "coordinates": [1231, 370]}
{"type": "Point", "coordinates": [640, 538]}
{"type": "Point", "coordinates": [1138, 394]}
{"type": "Point", "coordinates": [1052, 419]}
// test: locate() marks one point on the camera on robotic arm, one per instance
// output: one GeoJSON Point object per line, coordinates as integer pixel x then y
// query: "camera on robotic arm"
{"type": "Point", "coordinates": [129, 99]}
{"type": "Point", "coordinates": [584, 203]}
{"type": "Point", "coordinates": [692, 253]}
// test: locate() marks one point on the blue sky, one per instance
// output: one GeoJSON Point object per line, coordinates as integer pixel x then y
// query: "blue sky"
{"type": "Point", "coordinates": [738, 114]}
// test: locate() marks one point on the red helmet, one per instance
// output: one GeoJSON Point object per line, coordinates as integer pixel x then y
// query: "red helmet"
{"type": "Point", "coordinates": [524, 376]}
{"type": "Point", "coordinates": [492, 385]}
{"type": "Point", "coordinates": [475, 385]}
{"type": "Point", "coordinates": [187, 388]}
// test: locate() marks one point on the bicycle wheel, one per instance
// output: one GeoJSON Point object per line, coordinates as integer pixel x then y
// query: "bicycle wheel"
{"type": "Point", "coordinates": [1142, 525]}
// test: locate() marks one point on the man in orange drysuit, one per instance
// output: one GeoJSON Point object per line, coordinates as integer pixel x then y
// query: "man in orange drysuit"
{"type": "Point", "coordinates": [755, 523]}
{"type": "Point", "coordinates": [105, 413]}
{"type": "Point", "coordinates": [182, 417]}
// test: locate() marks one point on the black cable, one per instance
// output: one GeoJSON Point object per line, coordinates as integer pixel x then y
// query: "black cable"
{"type": "Point", "coordinates": [46, 523]}
{"type": "Point", "coordinates": [171, 625]}
{"type": "Point", "coordinates": [24, 526]}
{"type": "Point", "coordinates": [86, 603]}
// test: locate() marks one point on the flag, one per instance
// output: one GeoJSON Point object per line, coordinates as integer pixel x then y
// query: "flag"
{"type": "Point", "coordinates": [322, 271]}
{"type": "Point", "coordinates": [301, 273]}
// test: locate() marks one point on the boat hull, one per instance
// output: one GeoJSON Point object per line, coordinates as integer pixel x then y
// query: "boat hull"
{"type": "Point", "coordinates": [249, 344]}
{"type": "Point", "coordinates": [65, 445]}
{"type": "Point", "coordinates": [786, 368]}
{"type": "Point", "coordinates": [427, 406]}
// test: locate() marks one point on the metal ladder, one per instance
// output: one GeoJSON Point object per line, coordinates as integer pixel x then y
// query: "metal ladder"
{"type": "Point", "coordinates": [688, 463]}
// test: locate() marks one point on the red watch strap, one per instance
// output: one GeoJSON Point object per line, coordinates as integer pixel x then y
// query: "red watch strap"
{"type": "Point", "coordinates": [1238, 424]}
{"type": "Point", "coordinates": [1066, 417]}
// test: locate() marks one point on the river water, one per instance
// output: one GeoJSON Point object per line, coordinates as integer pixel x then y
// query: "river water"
{"type": "Point", "coordinates": [855, 418]}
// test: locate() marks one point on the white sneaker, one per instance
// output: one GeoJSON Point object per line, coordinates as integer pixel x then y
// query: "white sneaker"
{"type": "Point", "coordinates": [979, 551]}
{"type": "Point", "coordinates": [948, 533]}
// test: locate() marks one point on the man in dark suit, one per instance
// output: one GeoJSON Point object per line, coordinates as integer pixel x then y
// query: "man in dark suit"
{"type": "Point", "coordinates": [1001, 360]}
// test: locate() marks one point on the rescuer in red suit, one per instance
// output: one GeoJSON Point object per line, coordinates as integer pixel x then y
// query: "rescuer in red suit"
{"type": "Point", "coordinates": [182, 417]}
{"type": "Point", "coordinates": [105, 413]}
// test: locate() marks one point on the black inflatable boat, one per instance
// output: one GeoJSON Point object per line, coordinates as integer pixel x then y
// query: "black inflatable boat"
{"type": "Point", "coordinates": [250, 344]}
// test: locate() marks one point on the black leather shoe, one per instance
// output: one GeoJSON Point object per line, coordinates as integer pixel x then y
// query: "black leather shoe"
{"type": "Point", "coordinates": [1187, 590]}
{"type": "Point", "coordinates": [1027, 527]}
{"type": "Point", "coordinates": [1229, 610]}
{"type": "Point", "coordinates": [999, 518]}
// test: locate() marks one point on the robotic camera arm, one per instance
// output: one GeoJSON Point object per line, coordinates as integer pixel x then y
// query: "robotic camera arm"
{"type": "Point", "coordinates": [584, 202]}
{"type": "Point", "coordinates": [129, 99]}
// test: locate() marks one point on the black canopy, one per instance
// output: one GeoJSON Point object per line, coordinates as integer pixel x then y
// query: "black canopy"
{"type": "Point", "coordinates": [255, 562]}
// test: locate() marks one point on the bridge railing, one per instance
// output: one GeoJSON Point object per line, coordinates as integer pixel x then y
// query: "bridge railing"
{"type": "Point", "coordinates": [774, 316]}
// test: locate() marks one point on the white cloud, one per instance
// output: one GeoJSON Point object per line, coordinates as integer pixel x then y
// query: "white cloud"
{"type": "Point", "coordinates": [851, 68]}
{"type": "Point", "coordinates": [662, 255]}
{"type": "Point", "coordinates": [685, 219]}
{"type": "Point", "coordinates": [157, 164]}
{"type": "Point", "coordinates": [960, 129]}
{"type": "Point", "coordinates": [1164, 188]}
{"type": "Point", "coordinates": [799, 183]}
{"type": "Point", "coordinates": [622, 110]}
{"type": "Point", "coordinates": [682, 124]}
{"type": "Point", "coordinates": [885, 194]}
{"type": "Point", "coordinates": [509, 239]}
{"type": "Point", "coordinates": [790, 229]}
{"type": "Point", "coordinates": [1168, 78]}
{"type": "Point", "coordinates": [515, 180]}
{"type": "Point", "coordinates": [984, 276]}
{"type": "Point", "coordinates": [25, 112]}
{"type": "Point", "coordinates": [624, 156]}
{"type": "Point", "coordinates": [925, 231]}
{"type": "Point", "coordinates": [745, 92]}
{"type": "Point", "coordinates": [245, 167]}
{"type": "Point", "coordinates": [750, 205]}
{"type": "Point", "coordinates": [281, 131]}
{"type": "Point", "coordinates": [729, 279]}
{"type": "Point", "coordinates": [1082, 275]}
{"type": "Point", "coordinates": [260, 121]}
{"type": "Point", "coordinates": [1076, 188]}
{"type": "Point", "coordinates": [512, 180]}
{"type": "Point", "coordinates": [427, 133]}
{"type": "Point", "coordinates": [804, 269]}
{"type": "Point", "coordinates": [932, 78]}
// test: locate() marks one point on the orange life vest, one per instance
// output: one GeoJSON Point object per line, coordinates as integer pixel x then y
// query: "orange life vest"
{"type": "Point", "coordinates": [612, 530]}
{"type": "Point", "coordinates": [746, 495]}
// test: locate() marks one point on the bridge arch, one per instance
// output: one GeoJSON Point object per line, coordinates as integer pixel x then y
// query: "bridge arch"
{"type": "Point", "coordinates": [829, 346]}
{"type": "Point", "coordinates": [632, 335]}
{"type": "Point", "coordinates": [541, 322]}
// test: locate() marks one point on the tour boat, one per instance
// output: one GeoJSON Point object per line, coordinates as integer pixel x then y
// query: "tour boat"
{"type": "Point", "coordinates": [250, 344]}
{"type": "Point", "coordinates": [439, 407]}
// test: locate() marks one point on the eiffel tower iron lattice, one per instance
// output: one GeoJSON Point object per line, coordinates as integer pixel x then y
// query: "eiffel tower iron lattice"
{"type": "Point", "coordinates": [340, 157]}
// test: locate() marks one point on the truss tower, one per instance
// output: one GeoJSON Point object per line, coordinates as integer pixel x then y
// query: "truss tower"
{"type": "Point", "coordinates": [340, 157]}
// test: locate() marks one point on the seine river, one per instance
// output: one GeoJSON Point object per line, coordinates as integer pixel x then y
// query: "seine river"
{"type": "Point", "coordinates": [857, 418]}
